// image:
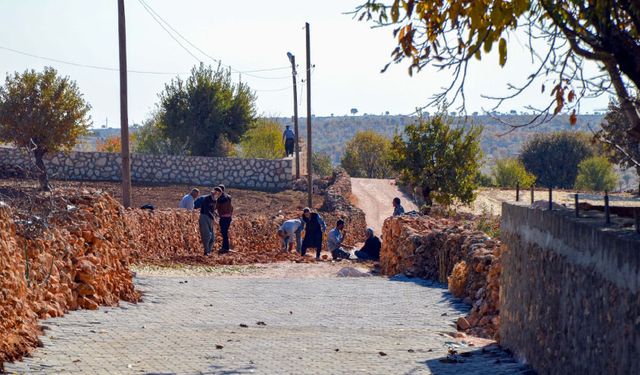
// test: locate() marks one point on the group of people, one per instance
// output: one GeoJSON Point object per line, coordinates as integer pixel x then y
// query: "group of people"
{"type": "Point", "coordinates": [314, 227]}
{"type": "Point", "coordinates": [216, 205]}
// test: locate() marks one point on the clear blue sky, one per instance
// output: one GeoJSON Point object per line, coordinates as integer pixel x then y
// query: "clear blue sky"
{"type": "Point", "coordinates": [248, 35]}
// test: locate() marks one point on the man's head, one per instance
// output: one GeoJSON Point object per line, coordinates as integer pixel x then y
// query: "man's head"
{"type": "Point", "coordinates": [396, 202]}
{"type": "Point", "coordinates": [221, 187]}
{"type": "Point", "coordinates": [306, 212]}
{"type": "Point", "coordinates": [368, 233]}
{"type": "Point", "coordinates": [194, 193]}
{"type": "Point", "coordinates": [216, 192]}
{"type": "Point", "coordinates": [287, 127]}
{"type": "Point", "coordinates": [281, 233]}
{"type": "Point", "coordinates": [340, 224]}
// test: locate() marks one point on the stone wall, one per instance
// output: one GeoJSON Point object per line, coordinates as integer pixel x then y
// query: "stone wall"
{"type": "Point", "coordinates": [570, 293]}
{"type": "Point", "coordinates": [256, 174]}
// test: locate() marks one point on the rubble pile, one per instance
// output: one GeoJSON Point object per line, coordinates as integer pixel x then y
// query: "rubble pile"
{"type": "Point", "coordinates": [77, 256]}
{"type": "Point", "coordinates": [449, 251]}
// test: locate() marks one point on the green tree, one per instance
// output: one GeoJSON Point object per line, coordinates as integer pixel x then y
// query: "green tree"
{"type": "Point", "coordinates": [619, 147]}
{"type": "Point", "coordinates": [596, 174]}
{"type": "Point", "coordinates": [197, 116]}
{"type": "Point", "coordinates": [321, 164]}
{"type": "Point", "coordinates": [42, 112]}
{"type": "Point", "coordinates": [439, 159]}
{"type": "Point", "coordinates": [561, 36]}
{"type": "Point", "coordinates": [484, 180]}
{"type": "Point", "coordinates": [554, 158]}
{"type": "Point", "coordinates": [263, 141]}
{"type": "Point", "coordinates": [511, 172]}
{"type": "Point", "coordinates": [366, 155]}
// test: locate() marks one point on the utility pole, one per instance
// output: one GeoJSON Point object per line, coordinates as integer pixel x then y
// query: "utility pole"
{"type": "Point", "coordinates": [124, 115]}
{"type": "Point", "coordinates": [292, 58]}
{"type": "Point", "coordinates": [309, 148]}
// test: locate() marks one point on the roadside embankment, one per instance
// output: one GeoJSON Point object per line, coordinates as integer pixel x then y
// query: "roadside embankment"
{"type": "Point", "coordinates": [452, 252]}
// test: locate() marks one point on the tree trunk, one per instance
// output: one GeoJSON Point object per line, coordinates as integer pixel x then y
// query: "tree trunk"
{"type": "Point", "coordinates": [42, 170]}
{"type": "Point", "coordinates": [426, 195]}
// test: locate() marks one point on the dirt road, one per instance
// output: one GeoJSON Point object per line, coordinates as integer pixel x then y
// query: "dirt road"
{"type": "Point", "coordinates": [374, 197]}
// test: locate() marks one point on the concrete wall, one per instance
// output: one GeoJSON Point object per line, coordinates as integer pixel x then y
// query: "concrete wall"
{"type": "Point", "coordinates": [258, 174]}
{"type": "Point", "coordinates": [569, 293]}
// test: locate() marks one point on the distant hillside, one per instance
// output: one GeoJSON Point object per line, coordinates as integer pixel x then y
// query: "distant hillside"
{"type": "Point", "coordinates": [331, 133]}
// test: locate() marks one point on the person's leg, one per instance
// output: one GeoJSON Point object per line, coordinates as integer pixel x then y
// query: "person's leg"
{"type": "Point", "coordinates": [362, 255]}
{"type": "Point", "coordinates": [340, 254]}
{"type": "Point", "coordinates": [204, 223]}
{"type": "Point", "coordinates": [225, 223]}
{"type": "Point", "coordinates": [299, 241]}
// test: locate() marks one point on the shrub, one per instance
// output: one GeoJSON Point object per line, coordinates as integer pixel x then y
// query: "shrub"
{"type": "Point", "coordinates": [596, 174]}
{"type": "Point", "coordinates": [509, 172]}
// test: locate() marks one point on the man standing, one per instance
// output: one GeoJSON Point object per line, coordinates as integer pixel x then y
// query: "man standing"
{"type": "Point", "coordinates": [187, 200]}
{"type": "Point", "coordinates": [314, 227]}
{"type": "Point", "coordinates": [397, 207]}
{"type": "Point", "coordinates": [289, 140]}
{"type": "Point", "coordinates": [334, 241]}
{"type": "Point", "coordinates": [286, 232]}
{"type": "Point", "coordinates": [207, 232]}
{"type": "Point", "coordinates": [371, 248]}
{"type": "Point", "coordinates": [225, 211]}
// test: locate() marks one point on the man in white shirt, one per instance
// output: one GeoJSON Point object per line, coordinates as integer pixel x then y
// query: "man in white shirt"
{"type": "Point", "coordinates": [187, 200]}
{"type": "Point", "coordinates": [287, 230]}
{"type": "Point", "coordinates": [334, 241]}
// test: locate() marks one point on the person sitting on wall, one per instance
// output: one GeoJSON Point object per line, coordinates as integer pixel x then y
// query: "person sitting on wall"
{"type": "Point", "coordinates": [397, 207]}
{"type": "Point", "coordinates": [286, 232]}
{"type": "Point", "coordinates": [371, 248]}
{"type": "Point", "coordinates": [188, 200]}
{"type": "Point", "coordinates": [335, 239]}
{"type": "Point", "coordinates": [314, 227]}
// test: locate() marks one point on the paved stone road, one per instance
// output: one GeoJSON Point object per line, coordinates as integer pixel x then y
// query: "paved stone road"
{"type": "Point", "coordinates": [313, 326]}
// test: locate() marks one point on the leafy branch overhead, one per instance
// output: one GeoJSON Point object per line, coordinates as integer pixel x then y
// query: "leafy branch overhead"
{"type": "Point", "coordinates": [561, 37]}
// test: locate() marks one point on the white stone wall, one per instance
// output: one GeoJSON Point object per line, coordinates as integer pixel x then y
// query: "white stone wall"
{"type": "Point", "coordinates": [258, 174]}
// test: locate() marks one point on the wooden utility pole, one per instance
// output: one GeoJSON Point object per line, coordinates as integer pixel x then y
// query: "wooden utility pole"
{"type": "Point", "coordinates": [124, 115]}
{"type": "Point", "coordinates": [309, 148]}
{"type": "Point", "coordinates": [292, 58]}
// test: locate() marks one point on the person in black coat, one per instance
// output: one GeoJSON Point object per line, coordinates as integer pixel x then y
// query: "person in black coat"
{"type": "Point", "coordinates": [371, 248]}
{"type": "Point", "coordinates": [314, 227]}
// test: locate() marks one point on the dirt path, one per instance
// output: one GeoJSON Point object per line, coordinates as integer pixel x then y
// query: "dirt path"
{"type": "Point", "coordinates": [374, 197]}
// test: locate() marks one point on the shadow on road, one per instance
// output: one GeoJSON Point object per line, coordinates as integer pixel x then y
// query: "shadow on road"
{"type": "Point", "coordinates": [447, 297]}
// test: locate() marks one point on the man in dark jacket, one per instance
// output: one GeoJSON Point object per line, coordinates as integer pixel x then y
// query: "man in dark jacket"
{"type": "Point", "coordinates": [371, 248]}
{"type": "Point", "coordinates": [207, 231]}
{"type": "Point", "coordinates": [314, 227]}
{"type": "Point", "coordinates": [225, 211]}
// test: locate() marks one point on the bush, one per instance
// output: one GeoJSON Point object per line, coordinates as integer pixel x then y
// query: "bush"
{"type": "Point", "coordinates": [484, 180]}
{"type": "Point", "coordinates": [321, 164]}
{"type": "Point", "coordinates": [510, 172]}
{"type": "Point", "coordinates": [554, 158]}
{"type": "Point", "coordinates": [366, 155]}
{"type": "Point", "coordinates": [596, 174]}
{"type": "Point", "coordinates": [263, 141]}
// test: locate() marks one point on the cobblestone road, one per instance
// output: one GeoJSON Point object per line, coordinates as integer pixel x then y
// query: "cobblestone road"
{"type": "Point", "coordinates": [192, 325]}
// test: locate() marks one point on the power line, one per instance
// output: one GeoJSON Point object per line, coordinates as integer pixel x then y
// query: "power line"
{"type": "Point", "coordinates": [81, 65]}
{"type": "Point", "coordinates": [161, 20]}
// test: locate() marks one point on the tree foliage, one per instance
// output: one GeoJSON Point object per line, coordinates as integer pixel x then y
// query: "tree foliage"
{"type": "Point", "coordinates": [439, 159]}
{"type": "Point", "coordinates": [321, 164]}
{"type": "Point", "coordinates": [366, 155]}
{"type": "Point", "coordinates": [619, 147]}
{"type": "Point", "coordinates": [554, 158]}
{"type": "Point", "coordinates": [42, 112]}
{"type": "Point", "coordinates": [200, 115]}
{"type": "Point", "coordinates": [113, 144]}
{"type": "Point", "coordinates": [561, 36]}
{"type": "Point", "coordinates": [596, 174]}
{"type": "Point", "coordinates": [263, 141]}
{"type": "Point", "coordinates": [511, 172]}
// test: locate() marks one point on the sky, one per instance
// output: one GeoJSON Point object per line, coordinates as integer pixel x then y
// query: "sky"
{"type": "Point", "coordinates": [250, 35]}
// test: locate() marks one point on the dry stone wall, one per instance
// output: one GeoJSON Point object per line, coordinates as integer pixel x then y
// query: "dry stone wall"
{"type": "Point", "coordinates": [255, 174]}
{"type": "Point", "coordinates": [570, 292]}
